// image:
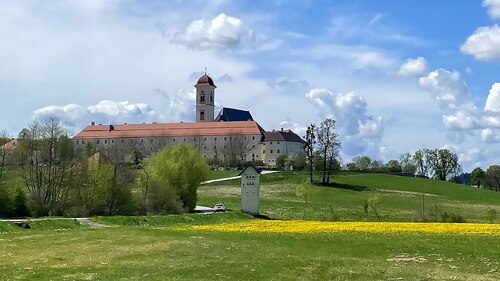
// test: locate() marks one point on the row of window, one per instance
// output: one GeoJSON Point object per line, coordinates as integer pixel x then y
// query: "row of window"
{"type": "Point", "coordinates": [270, 151]}
{"type": "Point", "coordinates": [152, 140]}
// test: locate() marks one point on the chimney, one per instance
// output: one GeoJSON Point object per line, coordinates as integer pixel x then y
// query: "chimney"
{"type": "Point", "coordinates": [111, 128]}
{"type": "Point", "coordinates": [92, 123]}
{"type": "Point", "coordinates": [124, 123]}
{"type": "Point", "coordinates": [282, 129]}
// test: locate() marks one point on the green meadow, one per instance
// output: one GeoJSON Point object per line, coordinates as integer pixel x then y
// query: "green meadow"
{"type": "Point", "coordinates": [166, 248]}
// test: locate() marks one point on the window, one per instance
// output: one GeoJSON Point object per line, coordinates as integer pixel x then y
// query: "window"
{"type": "Point", "coordinates": [173, 140]}
{"type": "Point", "coordinates": [271, 151]}
{"type": "Point", "coordinates": [278, 142]}
{"type": "Point", "coordinates": [184, 139]}
{"type": "Point", "coordinates": [225, 138]}
{"type": "Point", "coordinates": [215, 147]}
{"type": "Point", "coordinates": [202, 98]}
{"type": "Point", "coordinates": [211, 98]}
{"type": "Point", "coordinates": [131, 141]}
{"type": "Point", "coordinates": [253, 137]}
{"type": "Point", "coordinates": [277, 151]}
{"type": "Point", "coordinates": [245, 138]}
{"type": "Point", "coordinates": [112, 141]}
{"type": "Point", "coordinates": [225, 147]}
{"type": "Point", "coordinates": [204, 147]}
{"type": "Point", "coordinates": [83, 142]}
{"type": "Point", "coordinates": [142, 140]}
{"type": "Point", "coordinates": [264, 151]}
{"type": "Point", "coordinates": [77, 142]}
{"type": "Point", "coordinates": [151, 140]}
{"type": "Point", "coordinates": [271, 143]}
{"type": "Point", "coordinates": [105, 141]}
{"type": "Point", "coordinates": [204, 139]}
{"type": "Point", "coordinates": [97, 141]}
{"type": "Point", "coordinates": [202, 115]}
{"type": "Point", "coordinates": [215, 139]}
{"type": "Point", "coordinates": [253, 146]}
{"type": "Point", "coordinates": [123, 140]}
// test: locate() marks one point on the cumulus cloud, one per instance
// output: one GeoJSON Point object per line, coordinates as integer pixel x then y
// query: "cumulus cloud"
{"type": "Point", "coordinates": [493, 7]}
{"type": "Point", "coordinates": [286, 82]}
{"type": "Point", "coordinates": [484, 43]}
{"type": "Point", "coordinates": [360, 131]}
{"type": "Point", "coordinates": [446, 87]}
{"type": "Point", "coordinates": [177, 107]}
{"type": "Point", "coordinates": [493, 100]}
{"type": "Point", "coordinates": [461, 120]}
{"type": "Point", "coordinates": [222, 32]}
{"type": "Point", "coordinates": [297, 128]}
{"type": "Point", "coordinates": [490, 136]}
{"type": "Point", "coordinates": [413, 67]}
{"type": "Point", "coordinates": [105, 112]}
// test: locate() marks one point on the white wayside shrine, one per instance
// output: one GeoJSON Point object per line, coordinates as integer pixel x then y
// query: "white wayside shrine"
{"type": "Point", "coordinates": [250, 187]}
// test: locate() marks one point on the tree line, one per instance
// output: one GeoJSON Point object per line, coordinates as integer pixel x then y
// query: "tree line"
{"type": "Point", "coordinates": [46, 175]}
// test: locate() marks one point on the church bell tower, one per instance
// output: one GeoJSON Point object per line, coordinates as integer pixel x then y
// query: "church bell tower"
{"type": "Point", "coordinates": [205, 99]}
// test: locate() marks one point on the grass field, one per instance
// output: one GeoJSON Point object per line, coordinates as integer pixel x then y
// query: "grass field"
{"type": "Point", "coordinates": [399, 198]}
{"type": "Point", "coordinates": [234, 246]}
{"type": "Point", "coordinates": [151, 248]}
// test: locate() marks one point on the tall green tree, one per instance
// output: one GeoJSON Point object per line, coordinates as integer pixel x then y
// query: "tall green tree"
{"type": "Point", "coordinates": [492, 179]}
{"type": "Point", "coordinates": [477, 176]}
{"type": "Point", "coordinates": [181, 168]}
{"type": "Point", "coordinates": [362, 162]}
{"type": "Point", "coordinates": [420, 158]}
{"type": "Point", "coordinates": [309, 146]}
{"type": "Point", "coordinates": [443, 163]}
{"type": "Point", "coordinates": [329, 147]}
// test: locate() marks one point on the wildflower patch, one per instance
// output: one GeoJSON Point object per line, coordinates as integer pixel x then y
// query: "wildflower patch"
{"type": "Point", "coordinates": [299, 226]}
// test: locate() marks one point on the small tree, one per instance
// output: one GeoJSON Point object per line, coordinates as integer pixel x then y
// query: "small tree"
{"type": "Point", "coordinates": [310, 142]}
{"type": "Point", "coordinates": [180, 167]}
{"type": "Point", "coordinates": [372, 203]}
{"type": "Point", "coordinates": [304, 192]}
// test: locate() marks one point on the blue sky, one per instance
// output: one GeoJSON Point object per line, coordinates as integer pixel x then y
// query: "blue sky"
{"type": "Point", "coordinates": [397, 76]}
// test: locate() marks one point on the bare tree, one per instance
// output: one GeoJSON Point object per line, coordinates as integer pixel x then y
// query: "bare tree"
{"type": "Point", "coordinates": [310, 142]}
{"type": "Point", "coordinates": [236, 148]}
{"type": "Point", "coordinates": [46, 157]}
{"type": "Point", "coordinates": [329, 147]}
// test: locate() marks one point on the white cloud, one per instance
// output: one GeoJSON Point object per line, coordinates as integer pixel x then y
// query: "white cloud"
{"type": "Point", "coordinates": [446, 87]}
{"type": "Point", "coordinates": [222, 32]}
{"type": "Point", "coordinates": [461, 120]}
{"type": "Point", "coordinates": [493, 7]}
{"type": "Point", "coordinates": [490, 136]}
{"type": "Point", "coordinates": [104, 112]}
{"type": "Point", "coordinates": [493, 100]}
{"type": "Point", "coordinates": [484, 43]}
{"type": "Point", "coordinates": [359, 131]}
{"type": "Point", "coordinates": [294, 126]}
{"type": "Point", "coordinates": [413, 67]}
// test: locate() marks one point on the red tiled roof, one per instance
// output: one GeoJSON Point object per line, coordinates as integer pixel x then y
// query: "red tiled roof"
{"type": "Point", "coordinates": [206, 80]}
{"type": "Point", "coordinates": [170, 130]}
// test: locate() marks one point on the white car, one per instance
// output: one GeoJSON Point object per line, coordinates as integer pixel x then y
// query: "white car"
{"type": "Point", "coordinates": [219, 207]}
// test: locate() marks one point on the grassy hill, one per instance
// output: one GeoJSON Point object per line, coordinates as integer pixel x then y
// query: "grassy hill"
{"type": "Point", "coordinates": [399, 198]}
{"type": "Point", "coordinates": [199, 246]}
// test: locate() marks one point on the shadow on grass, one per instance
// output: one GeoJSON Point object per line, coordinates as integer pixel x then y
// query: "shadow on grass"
{"type": "Point", "coordinates": [346, 186]}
